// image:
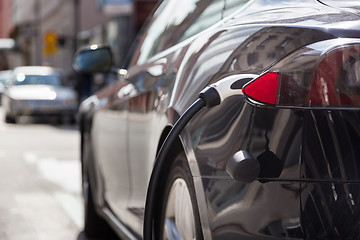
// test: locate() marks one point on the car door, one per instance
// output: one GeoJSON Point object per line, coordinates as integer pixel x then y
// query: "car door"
{"type": "Point", "coordinates": [109, 129]}
{"type": "Point", "coordinates": [152, 75]}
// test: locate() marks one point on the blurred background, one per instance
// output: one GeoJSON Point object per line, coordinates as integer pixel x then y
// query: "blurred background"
{"type": "Point", "coordinates": [40, 184]}
{"type": "Point", "coordinates": [49, 32]}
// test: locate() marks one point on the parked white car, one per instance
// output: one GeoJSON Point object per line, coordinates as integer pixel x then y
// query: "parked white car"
{"type": "Point", "coordinates": [38, 91]}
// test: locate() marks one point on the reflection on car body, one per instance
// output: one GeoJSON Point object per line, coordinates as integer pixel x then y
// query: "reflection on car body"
{"type": "Point", "coordinates": [37, 90]}
{"type": "Point", "coordinates": [299, 120]}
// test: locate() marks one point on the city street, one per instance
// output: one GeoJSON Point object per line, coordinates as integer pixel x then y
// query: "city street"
{"type": "Point", "coordinates": [40, 187]}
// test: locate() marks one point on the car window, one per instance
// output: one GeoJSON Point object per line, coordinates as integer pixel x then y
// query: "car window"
{"type": "Point", "coordinates": [22, 79]}
{"type": "Point", "coordinates": [174, 22]}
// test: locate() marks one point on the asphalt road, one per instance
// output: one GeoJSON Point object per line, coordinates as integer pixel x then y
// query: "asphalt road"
{"type": "Point", "coordinates": [40, 181]}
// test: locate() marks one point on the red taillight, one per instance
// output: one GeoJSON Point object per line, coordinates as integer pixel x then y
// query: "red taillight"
{"type": "Point", "coordinates": [264, 89]}
{"type": "Point", "coordinates": [316, 76]}
{"type": "Point", "coordinates": [335, 81]}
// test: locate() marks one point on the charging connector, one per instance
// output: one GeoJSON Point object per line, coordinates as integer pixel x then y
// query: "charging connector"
{"type": "Point", "coordinates": [209, 97]}
{"type": "Point", "coordinates": [229, 86]}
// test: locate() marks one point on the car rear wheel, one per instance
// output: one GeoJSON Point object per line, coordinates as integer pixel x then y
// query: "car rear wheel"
{"type": "Point", "coordinates": [10, 119]}
{"type": "Point", "coordinates": [94, 225]}
{"type": "Point", "coordinates": [180, 216]}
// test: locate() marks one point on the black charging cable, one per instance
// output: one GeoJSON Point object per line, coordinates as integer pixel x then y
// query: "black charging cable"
{"type": "Point", "coordinates": [209, 97]}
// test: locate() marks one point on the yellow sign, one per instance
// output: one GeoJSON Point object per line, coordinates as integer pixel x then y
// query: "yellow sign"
{"type": "Point", "coordinates": [51, 43]}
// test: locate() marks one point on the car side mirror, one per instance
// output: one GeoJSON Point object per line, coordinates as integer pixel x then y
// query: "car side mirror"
{"type": "Point", "coordinates": [94, 59]}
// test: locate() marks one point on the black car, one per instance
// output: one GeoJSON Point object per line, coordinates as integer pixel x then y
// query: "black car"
{"type": "Point", "coordinates": [270, 151]}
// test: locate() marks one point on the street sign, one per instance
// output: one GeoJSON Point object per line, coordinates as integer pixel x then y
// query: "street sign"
{"type": "Point", "coordinates": [51, 43]}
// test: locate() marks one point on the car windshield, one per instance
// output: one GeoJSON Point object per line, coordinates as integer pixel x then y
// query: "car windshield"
{"type": "Point", "coordinates": [22, 79]}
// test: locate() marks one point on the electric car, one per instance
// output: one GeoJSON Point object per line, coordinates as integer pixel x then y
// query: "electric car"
{"type": "Point", "coordinates": [234, 119]}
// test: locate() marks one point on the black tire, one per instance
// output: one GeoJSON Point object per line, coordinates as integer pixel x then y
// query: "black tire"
{"type": "Point", "coordinates": [9, 119]}
{"type": "Point", "coordinates": [95, 227]}
{"type": "Point", "coordinates": [179, 173]}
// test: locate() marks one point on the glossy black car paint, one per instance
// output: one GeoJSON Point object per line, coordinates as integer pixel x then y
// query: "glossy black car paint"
{"type": "Point", "coordinates": [316, 195]}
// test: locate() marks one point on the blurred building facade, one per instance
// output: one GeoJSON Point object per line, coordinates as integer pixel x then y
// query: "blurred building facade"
{"type": "Point", "coordinates": [5, 18]}
{"type": "Point", "coordinates": [5, 28]}
{"type": "Point", "coordinates": [48, 32]}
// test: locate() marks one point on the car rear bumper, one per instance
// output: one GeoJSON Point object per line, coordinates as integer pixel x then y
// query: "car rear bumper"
{"type": "Point", "coordinates": [42, 108]}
